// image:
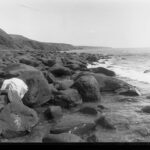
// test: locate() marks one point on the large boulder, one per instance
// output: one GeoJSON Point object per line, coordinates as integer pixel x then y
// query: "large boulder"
{"type": "Point", "coordinates": [53, 112]}
{"type": "Point", "coordinates": [37, 134]}
{"type": "Point", "coordinates": [103, 71]}
{"type": "Point", "coordinates": [112, 84]}
{"type": "Point", "coordinates": [113, 121]}
{"type": "Point", "coordinates": [146, 71]}
{"type": "Point", "coordinates": [105, 123]}
{"type": "Point", "coordinates": [49, 76]}
{"type": "Point", "coordinates": [64, 84]}
{"type": "Point", "coordinates": [88, 110]}
{"type": "Point", "coordinates": [83, 129]}
{"type": "Point", "coordinates": [68, 98]}
{"type": "Point", "coordinates": [16, 119]}
{"type": "Point", "coordinates": [88, 88]}
{"type": "Point", "coordinates": [92, 58]}
{"type": "Point", "coordinates": [39, 91]}
{"type": "Point", "coordinates": [92, 138]}
{"type": "Point", "coordinates": [59, 70]}
{"type": "Point", "coordinates": [48, 62]}
{"type": "Point", "coordinates": [75, 123]}
{"type": "Point", "coordinates": [109, 84]}
{"type": "Point", "coordinates": [146, 109]}
{"type": "Point", "coordinates": [131, 91]}
{"type": "Point", "coordinates": [74, 64]}
{"type": "Point", "coordinates": [106, 83]}
{"type": "Point", "coordinates": [28, 61]}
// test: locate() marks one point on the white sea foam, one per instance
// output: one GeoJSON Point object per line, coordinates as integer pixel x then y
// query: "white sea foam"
{"type": "Point", "coordinates": [132, 74]}
{"type": "Point", "coordinates": [124, 71]}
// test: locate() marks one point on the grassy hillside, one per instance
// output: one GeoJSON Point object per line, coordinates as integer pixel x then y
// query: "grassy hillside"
{"type": "Point", "coordinates": [18, 42]}
{"type": "Point", "coordinates": [12, 41]}
{"type": "Point", "coordinates": [25, 43]}
{"type": "Point", "coordinates": [5, 40]}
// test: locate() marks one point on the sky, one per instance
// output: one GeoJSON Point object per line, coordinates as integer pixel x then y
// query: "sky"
{"type": "Point", "coordinates": [112, 23]}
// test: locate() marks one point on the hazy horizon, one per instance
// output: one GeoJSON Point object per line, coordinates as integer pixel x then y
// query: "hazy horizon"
{"type": "Point", "coordinates": [110, 23]}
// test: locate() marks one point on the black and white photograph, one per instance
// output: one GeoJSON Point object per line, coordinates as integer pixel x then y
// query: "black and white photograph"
{"type": "Point", "coordinates": [75, 71]}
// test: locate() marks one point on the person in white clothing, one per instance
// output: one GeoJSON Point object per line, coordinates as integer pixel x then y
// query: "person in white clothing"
{"type": "Point", "coordinates": [15, 89]}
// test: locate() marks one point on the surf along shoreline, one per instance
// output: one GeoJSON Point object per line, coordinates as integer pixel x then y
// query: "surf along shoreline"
{"type": "Point", "coordinates": [139, 78]}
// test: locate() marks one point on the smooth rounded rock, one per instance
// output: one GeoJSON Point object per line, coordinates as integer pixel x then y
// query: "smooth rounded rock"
{"type": "Point", "coordinates": [88, 88]}
{"type": "Point", "coordinates": [16, 119]}
{"type": "Point", "coordinates": [68, 98]}
{"type": "Point", "coordinates": [146, 109]}
{"type": "Point", "coordinates": [88, 110]}
{"type": "Point", "coordinates": [38, 87]}
{"type": "Point", "coordinates": [54, 112]}
{"type": "Point", "coordinates": [103, 71]}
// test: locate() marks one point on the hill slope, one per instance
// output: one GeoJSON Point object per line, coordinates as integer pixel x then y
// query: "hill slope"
{"type": "Point", "coordinates": [12, 41]}
{"type": "Point", "coordinates": [24, 43]}
{"type": "Point", "coordinates": [6, 40]}
{"type": "Point", "coordinates": [18, 42]}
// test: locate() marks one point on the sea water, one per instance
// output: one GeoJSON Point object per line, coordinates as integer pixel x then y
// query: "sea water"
{"type": "Point", "coordinates": [131, 69]}
{"type": "Point", "coordinates": [128, 67]}
{"type": "Point", "coordinates": [131, 66]}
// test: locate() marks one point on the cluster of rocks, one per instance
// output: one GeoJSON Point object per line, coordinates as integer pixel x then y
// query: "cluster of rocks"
{"type": "Point", "coordinates": [58, 83]}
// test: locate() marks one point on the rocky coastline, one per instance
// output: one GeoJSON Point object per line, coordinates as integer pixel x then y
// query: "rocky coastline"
{"type": "Point", "coordinates": [67, 102]}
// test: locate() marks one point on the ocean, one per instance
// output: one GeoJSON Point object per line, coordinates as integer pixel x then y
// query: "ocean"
{"type": "Point", "coordinates": [129, 67]}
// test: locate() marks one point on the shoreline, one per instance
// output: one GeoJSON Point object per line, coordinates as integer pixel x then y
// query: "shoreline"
{"type": "Point", "coordinates": [112, 117]}
{"type": "Point", "coordinates": [142, 85]}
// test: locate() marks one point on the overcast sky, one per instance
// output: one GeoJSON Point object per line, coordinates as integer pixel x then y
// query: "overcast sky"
{"type": "Point", "coordinates": [115, 23]}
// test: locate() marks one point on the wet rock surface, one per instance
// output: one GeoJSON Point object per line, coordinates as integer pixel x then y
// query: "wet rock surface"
{"type": "Point", "coordinates": [88, 88]}
{"type": "Point", "coordinates": [103, 71]}
{"type": "Point", "coordinates": [58, 70]}
{"type": "Point", "coordinates": [62, 138]}
{"type": "Point", "coordinates": [88, 110]}
{"type": "Point", "coordinates": [64, 84]}
{"type": "Point", "coordinates": [53, 112]}
{"type": "Point", "coordinates": [68, 98]}
{"type": "Point", "coordinates": [16, 118]}
{"type": "Point", "coordinates": [146, 109]}
{"type": "Point", "coordinates": [104, 122]}
{"type": "Point", "coordinates": [67, 102]}
{"type": "Point", "coordinates": [39, 91]}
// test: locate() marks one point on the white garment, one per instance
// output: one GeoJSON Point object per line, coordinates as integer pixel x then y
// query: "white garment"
{"type": "Point", "coordinates": [16, 88]}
